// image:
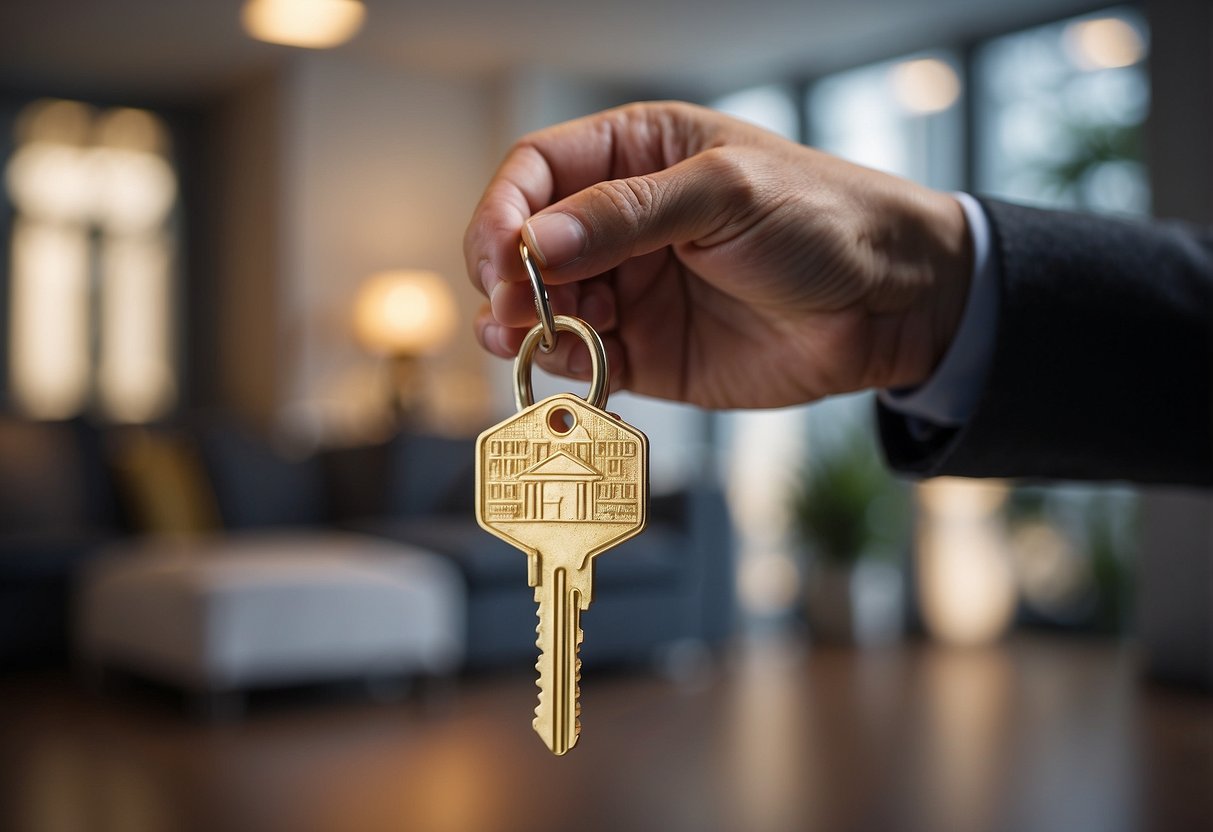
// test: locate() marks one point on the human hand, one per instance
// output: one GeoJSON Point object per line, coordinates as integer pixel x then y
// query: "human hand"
{"type": "Point", "coordinates": [722, 265]}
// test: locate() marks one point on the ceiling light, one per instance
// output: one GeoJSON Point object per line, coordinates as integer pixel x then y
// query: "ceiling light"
{"type": "Point", "coordinates": [314, 24]}
{"type": "Point", "coordinates": [1106, 43]}
{"type": "Point", "coordinates": [926, 85]}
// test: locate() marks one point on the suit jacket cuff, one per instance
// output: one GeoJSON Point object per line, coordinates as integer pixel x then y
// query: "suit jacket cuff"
{"type": "Point", "coordinates": [1101, 364]}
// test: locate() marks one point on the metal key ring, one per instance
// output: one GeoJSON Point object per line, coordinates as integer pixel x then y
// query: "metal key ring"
{"type": "Point", "coordinates": [543, 307]}
{"type": "Point", "coordinates": [524, 392]}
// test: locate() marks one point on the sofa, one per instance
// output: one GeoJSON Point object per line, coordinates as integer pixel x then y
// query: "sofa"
{"type": "Point", "coordinates": [69, 491]}
{"type": "Point", "coordinates": [673, 582]}
{"type": "Point", "coordinates": [57, 510]}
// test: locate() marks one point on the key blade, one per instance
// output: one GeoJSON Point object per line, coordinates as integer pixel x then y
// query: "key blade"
{"type": "Point", "coordinates": [558, 637]}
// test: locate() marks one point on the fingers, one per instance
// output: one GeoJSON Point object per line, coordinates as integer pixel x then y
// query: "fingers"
{"type": "Point", "coordinates": [504, 321]}
{"type": "Point", "coordinates": [553, 163]}
{"type": "Point", "coordinates": [570, 358]}
{"type": "Point", "coordinates": [521, 186]}
{"type": "Point", "coordinates": [527, 181]}
{"type": "Point", "coordinates": [599, 227]}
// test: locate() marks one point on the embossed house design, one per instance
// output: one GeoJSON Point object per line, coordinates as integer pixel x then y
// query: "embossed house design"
{"type": "Point", "coordinates": [558, 488]}
{"type": "Point", "coordinates": [532, 473]}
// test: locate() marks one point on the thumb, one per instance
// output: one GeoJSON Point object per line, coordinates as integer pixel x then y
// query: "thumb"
{"type": "Point", "coordinates": [598, 228]}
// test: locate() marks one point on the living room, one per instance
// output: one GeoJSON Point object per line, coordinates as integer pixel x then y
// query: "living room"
{"type": "Point", "coordinates": [242, 581]}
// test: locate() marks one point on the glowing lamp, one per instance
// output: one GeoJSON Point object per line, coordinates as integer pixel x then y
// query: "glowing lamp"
{"type": "Point", "coordinates": [404, 313]}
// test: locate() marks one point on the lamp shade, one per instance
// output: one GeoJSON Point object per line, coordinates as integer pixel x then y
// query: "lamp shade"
{"type": "Point", "coordinates": [404, 313]}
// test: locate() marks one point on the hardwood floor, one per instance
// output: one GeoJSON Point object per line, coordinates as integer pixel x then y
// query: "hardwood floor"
{"type": "Point", "coordinates": [1045, 734]}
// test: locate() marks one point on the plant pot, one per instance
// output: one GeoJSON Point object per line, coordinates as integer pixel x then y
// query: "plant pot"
{"type": "Point", "coordinates": [860, 604]}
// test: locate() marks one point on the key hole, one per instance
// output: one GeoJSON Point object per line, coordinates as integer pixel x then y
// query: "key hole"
{"type": "Point", "coordinates": [561, 420]}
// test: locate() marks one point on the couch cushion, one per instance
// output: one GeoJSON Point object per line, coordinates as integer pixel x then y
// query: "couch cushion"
{"type": "Point", "coordinates": [162, 483]}
{"type": "Point", "coordinates": [256, 487]}
{"type": "Point", "coordinates": [431, 475]}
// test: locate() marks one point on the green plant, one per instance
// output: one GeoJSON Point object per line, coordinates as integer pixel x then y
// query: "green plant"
{"type": "Point", "coordinates": [847, 505]}
{"type": "Point", "coordinates": [1092, 145]}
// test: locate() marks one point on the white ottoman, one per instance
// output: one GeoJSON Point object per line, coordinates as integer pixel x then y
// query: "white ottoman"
{"type": "Point", "coordinates": [234, 612]}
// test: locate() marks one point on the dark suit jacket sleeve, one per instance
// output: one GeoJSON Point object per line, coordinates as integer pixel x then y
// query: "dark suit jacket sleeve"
{"type": "Point", "coordinates": [1103, 357]}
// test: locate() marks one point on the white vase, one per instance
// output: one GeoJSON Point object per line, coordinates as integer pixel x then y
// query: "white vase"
{"type": "Point", "coordinates": [861, 604]}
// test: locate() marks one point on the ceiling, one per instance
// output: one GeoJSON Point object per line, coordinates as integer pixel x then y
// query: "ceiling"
{"type": "Point", "coordinates": [187, 47]}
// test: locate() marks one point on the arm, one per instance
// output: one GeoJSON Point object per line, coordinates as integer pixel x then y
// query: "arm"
{"type": "Point", "coordinates": [727, 267]}
{"type": "Point", "coordinates": [1101, 357]}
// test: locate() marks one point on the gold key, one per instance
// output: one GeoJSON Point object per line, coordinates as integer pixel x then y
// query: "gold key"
{"type": "Point", "coordinates": [563, 480]}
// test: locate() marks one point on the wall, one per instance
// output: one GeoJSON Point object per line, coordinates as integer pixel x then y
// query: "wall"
{"type": "Point", "coordinates": [342, 167]}
{"type": "Point", "coordinates": [381, 169]}
{"type": "Point", "coordinates": [244, 143]}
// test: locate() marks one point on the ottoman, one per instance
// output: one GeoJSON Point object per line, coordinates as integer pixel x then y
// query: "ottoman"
{"type": "Point", "coordinates": [232, 612]}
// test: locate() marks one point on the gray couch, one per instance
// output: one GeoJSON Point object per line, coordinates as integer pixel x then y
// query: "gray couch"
{"type": "Point", "coordinates": [58, 508]}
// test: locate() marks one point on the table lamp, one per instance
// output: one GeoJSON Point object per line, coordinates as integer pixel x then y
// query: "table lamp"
{"type": "Point", "coordinates": [402, 316]}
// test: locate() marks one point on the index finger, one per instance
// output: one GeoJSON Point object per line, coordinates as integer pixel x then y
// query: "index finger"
{"type": "Point", "coordinates": [552, 163]}
{"type": "Point", "coordinates": [521, 186]}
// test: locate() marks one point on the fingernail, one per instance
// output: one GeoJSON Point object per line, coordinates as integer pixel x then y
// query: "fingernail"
{"type": "Point", "coordinates": [493, 304]}
{"type": "Point", "coordinates": [557, 238]}
{"type": "Point", "coordinates": [489, 278]}
{"type": "Point", "coordinates": [579, 362]}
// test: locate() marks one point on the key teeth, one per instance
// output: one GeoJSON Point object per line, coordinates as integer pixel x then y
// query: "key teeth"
{"type": "Point", "coordinates": [538, 665]}
{"type": "Point", "coordinates": [544, 696]}
{"type": "Point", "coordinates": [577, 681]}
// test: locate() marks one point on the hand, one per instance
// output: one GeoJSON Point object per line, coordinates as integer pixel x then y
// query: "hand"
{"type": "Point", "coordinates": [722, 265]}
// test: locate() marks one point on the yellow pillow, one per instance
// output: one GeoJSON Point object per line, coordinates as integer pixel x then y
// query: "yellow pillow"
{"type": "Point", "coordinates": [163, 484]}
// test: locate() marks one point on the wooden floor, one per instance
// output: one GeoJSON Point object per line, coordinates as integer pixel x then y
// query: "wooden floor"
{"type": "Point", "coordinates": [1040, 734]}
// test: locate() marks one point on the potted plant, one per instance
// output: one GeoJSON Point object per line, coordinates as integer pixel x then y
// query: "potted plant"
{"type": "Point", "coordinates": [853, 519]}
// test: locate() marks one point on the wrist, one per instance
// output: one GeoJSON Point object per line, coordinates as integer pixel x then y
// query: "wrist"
{"type": "Point", "coordinates": [932, 254]}
{"type": "Point", "coordinates": [952, 269]}
{"type": "Point", "coordinates": [949, 397]}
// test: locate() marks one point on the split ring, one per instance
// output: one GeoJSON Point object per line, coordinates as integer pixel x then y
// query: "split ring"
{"type": "Point", "coordinates": [524, 392]}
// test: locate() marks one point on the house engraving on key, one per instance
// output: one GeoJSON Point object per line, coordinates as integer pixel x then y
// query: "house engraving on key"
{"type": "Point", "coordinates": [558, 488]}
{"type": "Point", "coordinates": [536, 473]}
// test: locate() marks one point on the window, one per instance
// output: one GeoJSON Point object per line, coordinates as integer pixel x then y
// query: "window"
{"type": "Point", "coordinates": [1050, 115]}
{"type": "Point", "coordinates": [1060, 112]}
{"type": "Point", "coordinates": [1059, 120]}
{"type": "Point", "coordinates": [773, 107]}
{"type": "Point", "coordinates": [92, 258]}
{"type": "Point", "coordinates": [899, 116]}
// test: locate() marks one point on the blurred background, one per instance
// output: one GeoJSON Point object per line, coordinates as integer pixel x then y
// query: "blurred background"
{"type": "Point", "coordinates": [241, 585]}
